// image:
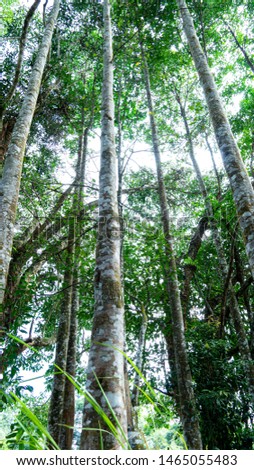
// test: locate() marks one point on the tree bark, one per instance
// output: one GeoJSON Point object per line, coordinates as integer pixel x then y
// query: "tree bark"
{"type": "Point", "coordinates": [68, 413]}
{"type": "Point", "coordinates": [106, 364]}
{"type": "Point", "coordinates": [188, 410]}
{"type": "Point", "coordinates": [239, 180]}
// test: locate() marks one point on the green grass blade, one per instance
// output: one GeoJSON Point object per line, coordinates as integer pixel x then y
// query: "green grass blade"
{"type": "Point", "coordinates": [34, 420]}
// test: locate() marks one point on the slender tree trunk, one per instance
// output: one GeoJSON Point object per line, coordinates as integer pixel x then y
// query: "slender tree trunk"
{"type": "Point", "coordinates": [10, 178]}
{"type": "Point", "coordinates": [68, 415]}
{"type": "Point", "coordinates": [225, 270]}
{"type": "Point", "coordinates": [239, 180]}
{"type": "Point", "coordinates": [55, 417]}
{"type": "Point", "coordinates": [83, 167]}
{"type": "Point", "coordinates": [172, 382]}
{"type": "Point", "coordinates": [139, 357]}
{"type": "Point", "coordinates": [11, 168]}
{"type": "Point", "coordinates": [246, 297]}
{"type": "Point", "coordinates": [243, 51]}
{"type": "Point", "coordinates": [106, 364]}
{"type": "Point", "coordinates": [120, 173]}
{"type": "Point", "coordinates": [188, 410]}
{"type": "Point", "coordinates": [214, 166]}
{"type": "Point", "coordinates": [189, 268]}
{"type": "Point", "coordinates": [134, 435]}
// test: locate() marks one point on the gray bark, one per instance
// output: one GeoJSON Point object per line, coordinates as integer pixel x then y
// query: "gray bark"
{"type": "Point", "coordinates": [239, 180]}
{"type": "Point", "coordinates": [188, 410]}
{"type": "Point", "coordinates": [106, 364]}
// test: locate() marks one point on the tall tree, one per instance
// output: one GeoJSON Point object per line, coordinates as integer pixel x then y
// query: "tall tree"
{"type": "Point", "coordinates": [239, 180]}
{"type": "Point", "coordinates": [225, 271]}
{"type": "Point", "coordinates": [11, 167]}
{"type": "Point", "coordinates": [105, 375]}
{"type": "Point", "coordinates": [41, 255]}
{"type": "Point", "coordinates": [58, 398]}
{"type": "Point", "coordinates": [188, 410]}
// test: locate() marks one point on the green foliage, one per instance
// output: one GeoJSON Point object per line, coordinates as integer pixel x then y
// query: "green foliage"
{"type": "Point", "coordinates": [157, 435]}
{"type": "Point", "coordinates": [26, 431]}
{"type": "Point", "coordinates": [221, 390]}
{"type": "Point", "coordinates": [69, 101]}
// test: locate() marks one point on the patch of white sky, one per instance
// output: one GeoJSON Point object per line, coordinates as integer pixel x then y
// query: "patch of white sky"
{"type": "Point", "coordinates": [28, 3]}
{"type": "Point", "coordinates": [139, 155]}
{"type": "Point", "coordinates": [35, 379]}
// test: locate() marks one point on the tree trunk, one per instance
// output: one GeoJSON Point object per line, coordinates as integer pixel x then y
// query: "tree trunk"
{"type": "Point", "coordinates": [106, 364]}
{"type": "Point", "coordinates": [55, 417]}
{"type": "Point", "coordinates": [188, 411]}
{"type": "Point", "coordinates": [239, 180]}
{"type": "Point", "coordinates": [139, 357]}
{"type": "Point", "coordinates": [68, 416]}
{"type": "Point", "coordinates": [189, 268]}
{"type": "Point", "coordinates": [224, 269]}
{"type": "Point", "coordinates": [10, 181]}
{"type": "Point", "coordinates": [246, 297]}
{"type": "Point", "coordinates": [243, 51]}
{"type": "Point", "coordinates": [214, 167]}
{"type": "Point", "coordinates": [134, 435]}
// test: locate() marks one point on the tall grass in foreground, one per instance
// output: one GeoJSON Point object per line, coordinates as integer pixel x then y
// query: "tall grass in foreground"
{"type": "Point", "coordinates": [28, 432]}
